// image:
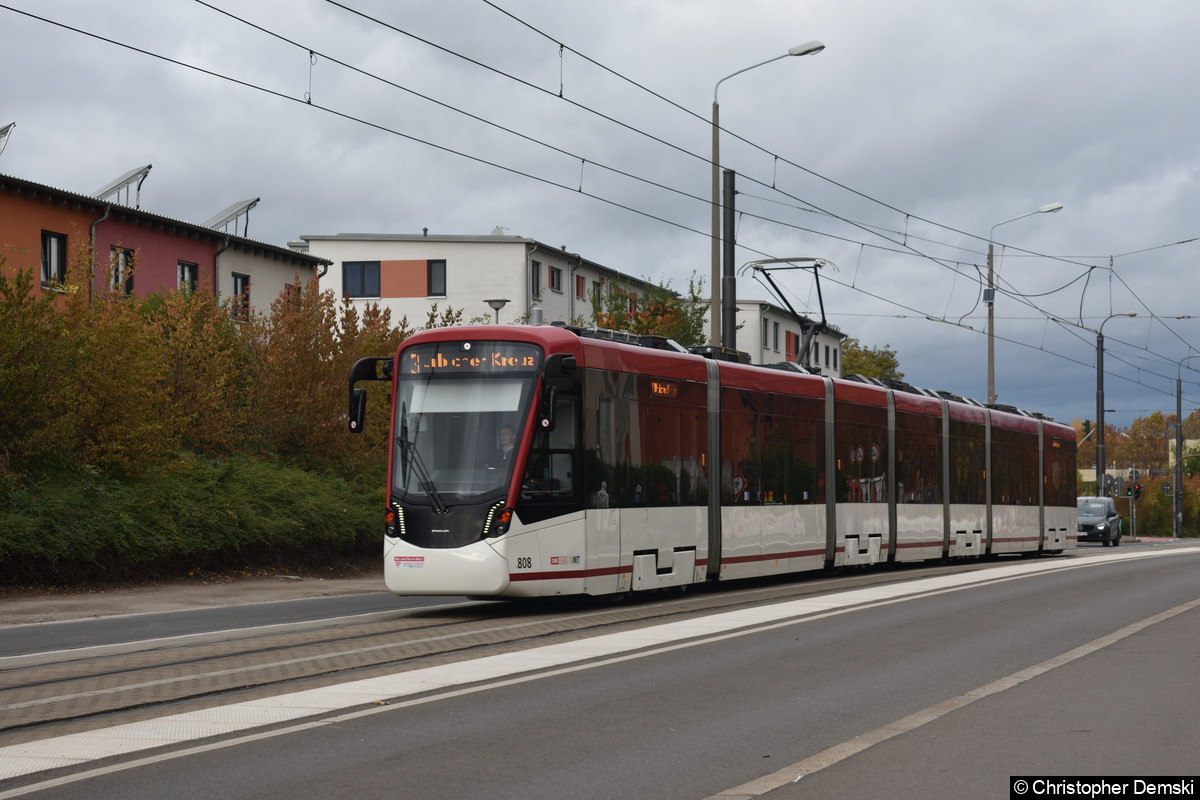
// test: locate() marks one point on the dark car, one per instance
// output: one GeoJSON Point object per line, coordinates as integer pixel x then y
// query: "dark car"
{"type": "Point", "coordinates": [1099, 521]}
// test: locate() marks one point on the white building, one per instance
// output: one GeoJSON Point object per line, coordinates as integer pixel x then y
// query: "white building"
{"type": "Point", "coordinates": [409, 273]}
{"type": "Point", "coordinates": [770, 335]}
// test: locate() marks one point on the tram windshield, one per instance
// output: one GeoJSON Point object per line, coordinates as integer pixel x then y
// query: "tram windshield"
{"type": "Point", "coordinates": [460, 410]}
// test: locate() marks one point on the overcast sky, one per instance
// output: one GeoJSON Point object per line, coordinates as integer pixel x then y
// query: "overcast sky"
{"type": "Point", "coordinates": [892, 153]}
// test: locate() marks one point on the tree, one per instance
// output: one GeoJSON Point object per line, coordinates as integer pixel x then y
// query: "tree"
{"type": "Point", "coordinates": [870, 362]}
{"type": "Point", "coordinates": [123, 420]}
{"type": "Point", "coordinates": [32, 345]}
{"type": "Point", "coordinates": [1146, 442]}
{"type": "Point", "coordinates": [659, 312]}
{"type": "Point", "coordinates": [207, 368]}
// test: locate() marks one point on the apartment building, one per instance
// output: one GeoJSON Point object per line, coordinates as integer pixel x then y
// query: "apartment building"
{"type": "Point", "coordinates": [493, 277]}
{"type": "Point", "coordinates": [107, 246]}
{"type": "Point", "coordinates": [771, 335]}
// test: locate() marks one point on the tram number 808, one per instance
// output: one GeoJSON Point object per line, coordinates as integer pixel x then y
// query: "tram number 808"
{"type": "Point", "coordinates": [525, 563]}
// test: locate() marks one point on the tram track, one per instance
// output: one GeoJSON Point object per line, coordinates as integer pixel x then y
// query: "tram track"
{"type": "Point", "coordinates": [81, 689]}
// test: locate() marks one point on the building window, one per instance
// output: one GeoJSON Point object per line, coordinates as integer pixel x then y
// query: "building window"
{"type": "Point", "coordinates": [596, 291]}
{"type": "Point", "coordinates": [54, 257]}
{"type": "Point", "coordinates": [556, 279]}
{"type": "Point", "coordinates": [241, 296]}
{"type": "Point", "coordinates": [120, 262]}
{"type": "Point", "coordinates": [535, 279]}
{"type": "Point", "coordinates": [766, 333]}
{"type": "Point", "coordinates": [189, 274]}
{"type": "Point", "coordinates": [360, 278]}
{"type": "Point", "coordinates": [827, 355]}
{"type": "Point", "coordinates": [775, 339]}
{"type": "Point", "coordinates": [835, 352]}
{"type": "Point", "coordinates": [436, 272]}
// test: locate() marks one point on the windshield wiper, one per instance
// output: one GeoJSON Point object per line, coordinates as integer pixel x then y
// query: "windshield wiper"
{"type": "Point", "coordinates": [410, 453]}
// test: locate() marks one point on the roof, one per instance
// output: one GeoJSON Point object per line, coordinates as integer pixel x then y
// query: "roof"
{"type": "Point", "coordinates": [88, 205]}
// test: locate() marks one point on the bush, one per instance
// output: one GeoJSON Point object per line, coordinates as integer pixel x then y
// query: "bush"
{"type": "Point", "coordinates": [144, 437]}
{"type": "Point", "coordinates": [201, 514]}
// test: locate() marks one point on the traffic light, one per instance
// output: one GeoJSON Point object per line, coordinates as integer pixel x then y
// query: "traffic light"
{"type": "Point", "coordinates": [1137, 491]}
{"type": "Point", "coordinates": [1087, 428]}
{"type": "Point", "coordinates": [1129, 490]}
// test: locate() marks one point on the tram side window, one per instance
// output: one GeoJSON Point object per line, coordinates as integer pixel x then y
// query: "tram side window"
{"type": "Point", "coordinates": [550, 470]}
{"type": "Point", "coordinates": [788, 449]}
{"type": "Point", "coordinates": [745, 426]}
{"type": "Point", "coordinates": [968, 463]}
{"type": "Point", "coordinates": [918, 458]}
{"type": "Point", "coordinates": [772, 449]}
{"type": "Point", "coordinates": [740, 478]}
{"type": "Point", "coordinates": [1059, 471]}
{"type": "Point", "coordinates": [776, 457]}
{"type": "Point", "coordinates": [860, 436]}
{"type": "Point", "coordinates": [644, 441]}
{"type": "Point", "coordinates": [600, 438]}
{"type": "Point", "coordinates": [659, 478]}
{"type": "Point", "coordinates": [1014, 468]}
{"type": "Point", "coordinates": [806, 435]}
{"type": "Point", "coordinates": [666, 463]}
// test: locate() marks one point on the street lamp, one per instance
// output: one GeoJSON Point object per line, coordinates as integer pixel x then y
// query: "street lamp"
{"type": "Point", "coordinates": [989, 297]}
{"type": "Point", "coordinates": [497, 303]}
{"type": "Point", "coordinates": [808, 48]}
{"type": "Point", "coordinates": [1177, 509]}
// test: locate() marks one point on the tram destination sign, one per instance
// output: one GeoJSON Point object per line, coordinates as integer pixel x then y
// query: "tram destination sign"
{"type": "Point", "coordinates": [471, 358]}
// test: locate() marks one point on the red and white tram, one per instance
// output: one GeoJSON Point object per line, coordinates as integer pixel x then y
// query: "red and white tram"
{"type": "Point", "coordinates": [638, 468]}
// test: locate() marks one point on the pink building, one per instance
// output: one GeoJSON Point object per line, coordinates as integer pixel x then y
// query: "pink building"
{"type": "Point", "coordinates": [61, 235]}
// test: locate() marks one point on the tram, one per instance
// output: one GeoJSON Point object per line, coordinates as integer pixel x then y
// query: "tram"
{"type": "Point", "coordinates": [530, 461]}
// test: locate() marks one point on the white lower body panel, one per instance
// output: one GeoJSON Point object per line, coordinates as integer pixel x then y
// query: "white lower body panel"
{"type": "Point", "coordinates": [1015, 529]}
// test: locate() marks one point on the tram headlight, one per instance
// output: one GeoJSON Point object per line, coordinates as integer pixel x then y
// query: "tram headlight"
{"type": "Point", "coordinates": [498, 521]}
{"type": "Point", "coordinates": [393, 521]}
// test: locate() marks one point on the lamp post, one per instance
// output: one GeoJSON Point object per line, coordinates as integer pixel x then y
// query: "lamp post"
{"type": "Point", "coordinates": [497, 303]}
{"type": "Point", "coordinates": [989, 297]}
{"type": "Point", "coordinates": [1177, 506]}
{"type": "Point", "coordinates": [805, 49]}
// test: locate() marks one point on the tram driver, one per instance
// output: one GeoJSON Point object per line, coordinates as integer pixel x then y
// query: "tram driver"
{"type": "Point", "coordinates": [502, 457]}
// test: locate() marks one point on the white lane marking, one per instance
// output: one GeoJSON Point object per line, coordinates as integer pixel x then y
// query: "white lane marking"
{"type": "Point", "coordinates": [448, 680]}
{"type": "Point", "coordinates": [840, 752]}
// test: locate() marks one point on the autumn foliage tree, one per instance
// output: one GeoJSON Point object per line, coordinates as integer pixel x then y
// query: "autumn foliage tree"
{"type": "Point", "coordinates": [658, 311]}
{"type": "Point", "coordinates": [870, 362]}
{"type": "Point", "coordinates": [149, 435]}
{"type": "Point", "coordinates": [33, 342]}
{"type": "Point", "coordinates": [206, 369]}
{"type": "Point", "coordinates": [123, 385]}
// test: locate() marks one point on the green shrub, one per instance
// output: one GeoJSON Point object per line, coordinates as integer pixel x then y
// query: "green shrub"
{"type": "Point", "coordinates": [200, 514]}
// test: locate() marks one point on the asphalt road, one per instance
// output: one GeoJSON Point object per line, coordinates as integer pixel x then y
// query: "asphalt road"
{"type": "Point", "coordinates": [943, 691]}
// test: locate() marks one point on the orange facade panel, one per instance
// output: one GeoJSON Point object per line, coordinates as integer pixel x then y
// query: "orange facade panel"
{"type": "Point", "coordinates": [22, 222]}
{"type": "Point", "coordinates": [407, 278]}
